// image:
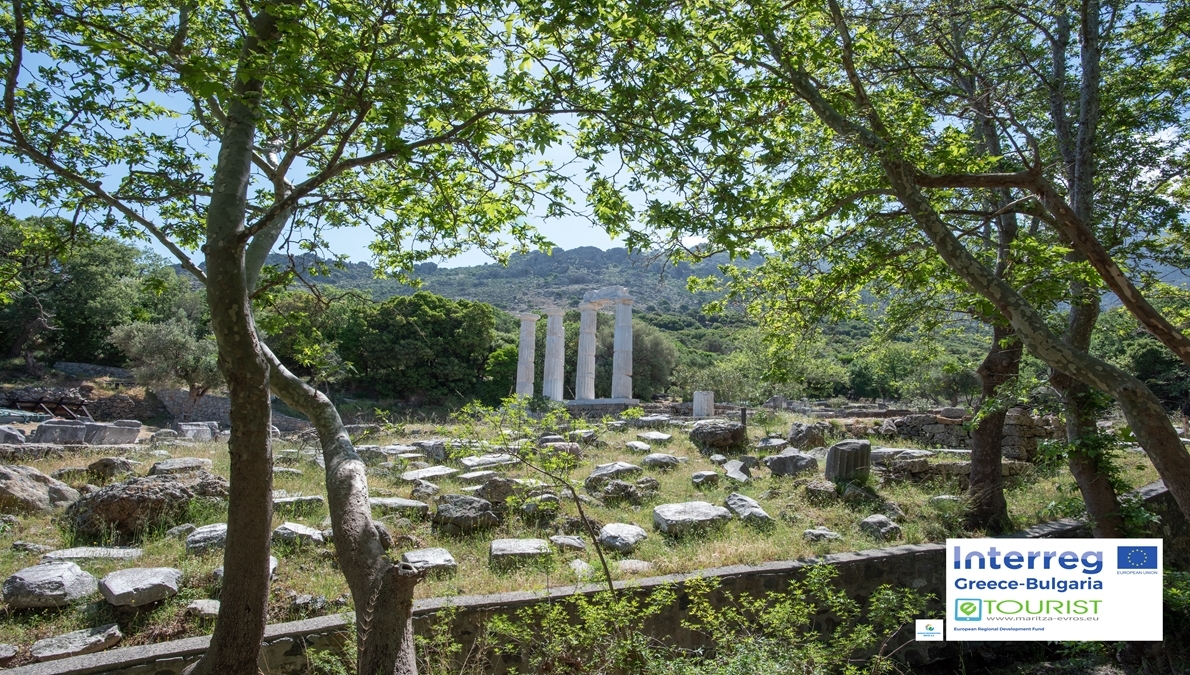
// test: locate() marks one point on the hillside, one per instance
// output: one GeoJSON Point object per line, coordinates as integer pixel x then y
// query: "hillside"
{"type": "Point", "coordinates": [538, 280]}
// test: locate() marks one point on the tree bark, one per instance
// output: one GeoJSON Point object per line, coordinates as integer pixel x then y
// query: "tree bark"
{"type": "Point", "coordinates": [235, 644]}
{"type": "Point", "coordinates": [383, 591]}
{"type": "Point", "coordinates": [987, 507]}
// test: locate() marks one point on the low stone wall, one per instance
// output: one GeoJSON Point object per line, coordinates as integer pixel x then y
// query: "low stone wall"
{"type": "Point", "coordinates": [218, 409]}
{"type": "Point", "coordinates": [921, 567]}
{"type": "Point", "coordinates": [84, 371]}
{"type": "Point", "coordinates": [1021, 431]}
{"type": "Point", "coordinates": [15, 454]}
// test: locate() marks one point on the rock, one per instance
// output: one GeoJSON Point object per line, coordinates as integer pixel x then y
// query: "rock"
{"type": "Point", "coordinates": [879, 527]}
{"type": "Point", "coordinates": [7, 654]}
{"type": "Point", "coordinates": [297, 534]}
{"type": "Point", "coordinates": [181, 531]}
{"type": "Point", "coordinates": [414, 466]}
{"type": "Point", "coordinates": [86, 641]}
{"type": "Point", "coordinates": [638, 446]}
{"type": "Point", "coordinates": [581, 569]}
{"type": "Point", "coordinates": [821, 534]}
{"type": "Point", "coordinates": [203, 609]}
{"type": "Point", "coordinates": [568, 542]}
{"type": "Point", "coordinates": [308, 604]}
{"type": "Point", "coordinates": [621, 537]}
{"type": "Point", "coordinates": [24, 489]}
{"type": "Point", "coordinates": [464, 514]}
{"type": "Point", "coordinates": [30, 547]}
{"type": "Point", "coordinates": [120, 432]}
{"type": "Point", "coordinates": [632, 567]}
{"type": "Point", "coordinates": [747, 509]}
{"type": "Point", "coordinates": [611, 471]}
{"type": "Point", "coordinates": [405, 507]}
{"type": "Point", "coordinates": [481, 461]}
{"type": "Point", "coordinates": [772, 444]}
{"type": "Point", "coordinates": [163, 435]}
{"type": "Point", "coordinates": [952, 413]}
{"type": "Point", "coordinates": [140, 586]}
{"type": "Point", "coordinates": [541, 509]}
{"type": "Point", "coordinates": [821, 492]}
{"type": "Point", "coordinates": [737, 471]}
{"type": "Point", "coordinates": [573, 449]}
{"type": "Point", "coordinates": [431, 472]}
{"type": "Point", "coordinates": [108, 468]}
{"type": "Point", "coordinates": [659, 460]}
{"type": "Point", "coordinates": [92, 553]}
{"type": "Point", "coordinates": [424, 489]}
{"type": "Point", "coordinates": [655, 421]}
{"type": "Point", "coordinates": [434, 448]}
{"type": "Point", "coordinates": [617, 491]}
{"type": "Point", "coordinates": [505, 553]}
{"type": "Point", "coordinates": [475, 477]}
{"type": "Point", "coordinates": [583, 436]}
{"type": "Point", "coordinates": [497, 491]}
{"type": "Point", "coordinates": [137, 504]}
{"type": "Point", "coordinates": [848, 460]}
{"type": "Point", "coordinates": [10, 435]}
{"type": "Point", "coordinates": [718, 460]}
{"type": "Point", "coordinates": [71, 474]}
{"type": "Point", "coordinates": [854, 494]}
{"type": "Point", "coordinates": [711, 435]}
{"type": "Point", "coordinates": [60, 432]}
{"type": "Point", "coordinates": [705, 479]}
{"type": "Point", "coordinates": [805, 436]}
{"type": "Point", "coordinates": [431, 560]}
{"type": "Point", "coordinates": [575, 525]}
{"type": "Point", "coordinates": [677, 520]}
{"type": "Point", "coordinates": [206, 538]}
{"type": "Point", "coordinates": [55, 584]}
{"type": "Point", "coordinates": [653, 437]}
{"type": "Point", "coordinates": [909, 466]}
{"type": "Point", "coordinates": [790, 464]}
{"type": "Point", "coordinates": [179, 465]}
{"type": "Point", "coordinates": [199, 432]}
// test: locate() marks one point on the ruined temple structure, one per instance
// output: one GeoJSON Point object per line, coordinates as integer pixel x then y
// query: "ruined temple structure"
{"type": "Point", "coordinates": [615, 297]}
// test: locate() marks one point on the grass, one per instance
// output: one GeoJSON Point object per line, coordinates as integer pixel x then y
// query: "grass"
{"type": "Point", "coordinates": [1034, 497]}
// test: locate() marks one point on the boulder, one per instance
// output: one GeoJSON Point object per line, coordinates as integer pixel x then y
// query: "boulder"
{"type": "Point", "coordinates": [638, 446]}
{"type": "Point", "coordinates": [821, 492]}
{"type": "Point", "coordinates": [659, 460]}
{"type": "Point", "coordinates": [405, 507]}
{"type": "Point", "coordinates": [107, 468]}
{"type": "Point", "coordinates": [56, 584]}
{"type": "Point", "coordinates": [60, 432]}
{"type": "Point", "coordinates": [717, 435]}
{"type": "Point", "coordinates": [821, 534]}
{"type": "Point", "coordinates": [573, 449]}
{"type": "Point", "coordinates": [497, 491]}
{"type": "Point", "coordinates": [621, 537]}
{"type": "Point", "coordinates": [179, 465]}
{"type": "Point", "coordinates": [128, 508]}
{"type": "Point", "coordinates": [10, 435]}
{"type": "Point", "coordinates": [430, 560]}
{"type": "Point", "coordinates": [92, 553]}
{"type": "Point", "coordinates": [849, 460]}
{"type": "Point", "coordinates": [199, 432]}
{"type": "Point", "coordinates": [805, 436]}
{"type": "Point", "coordinates": [30, 547]}
{"type": "Point", "coordinates": [880, 527]}
{"type": "Point", "coordinates": [791, 464]}
{"type": "Point", "coordinates": [86, 641]}
{"type": "Point", "coordinates": [737, 471]}
{"type": "Point", "coordinates": [140, 586]}
{"type": "Point", "coordinates": [705, 479]}
{"type": "Point", "coordinates": [747, 509]}
{"type": "Point", "coordinates": [464, 514]}
{"type": "Point", "coordinates": [583, 436]}
{"type": "Point", "coordinates": [678, 520]}
{"type": "Point", "coordinates": [7, 654]}
{"type": "Point", "coordinates": [163, 435]}
{"type": "Point", "coordinates": [297, 534]}
{"type": "Point", "coordinates": [952, 413]}
{"type": "Point", "coordinates": [426, 474]}
{"type": "Point", "coordinates": [568, 542]}
{"type": "Point", "coordinates": [606, 472]}
{"type": "Point", "coordinates": [24, 489]}
{"type": "Point", "coordinates": [617, 491]}
{"type": "Point", "coordinates": [505, 553]}
{"type": "Point", "coordinates": [206, 538]}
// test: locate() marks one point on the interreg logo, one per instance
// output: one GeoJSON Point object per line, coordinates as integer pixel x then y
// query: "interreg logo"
{"type": "Point", "coordinates": [1136, 557]}
{"type": "Point", "coordinates": [968, 609]}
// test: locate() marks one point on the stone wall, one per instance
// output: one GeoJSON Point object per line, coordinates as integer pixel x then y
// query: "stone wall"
{"type": "Point", "coordinates": [218, 409]}
{"type": "Point", "coordinates": [1021, 432]}
{"type": "Point", "coordinates": [85, 371]}
{"type": "Point", "coordinates": [914, 566]}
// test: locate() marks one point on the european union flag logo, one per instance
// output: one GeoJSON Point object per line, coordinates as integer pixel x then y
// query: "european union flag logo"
{"type": "Point", "coordinates": [1136, 557]}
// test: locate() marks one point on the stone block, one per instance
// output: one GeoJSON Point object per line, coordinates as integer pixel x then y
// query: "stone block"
{"type": "Point", "coordinates": [206, 538]}
{"type": "Point", "coordinates": [395, 505]}
{"type": "Point", "coordinates": [621, 537]}
{"type": "Point", "coordinates": [705, 479]}
{"type": "Point", "coordinates": [659, 460]}
{"type": "Point", "coordinates": [24, 489]}
{"type": "Point", "coordinates": [179, 465]}
{"type": "Point", "coordinates": [199, 432]}
{"type": "Point", "coordinates": [677, 520]}
{"type": "Point", "coordinates": [718, 436]}
{"type": "Point", "coordinates": [848, 460]}
{"type": "Point", "coordinates": [55, 584]}
{"type": "Point", "coordinates": [120, 432]}
{"type": "Point", "coordinates": [790, 464]}
{"type": "Point", "coordinates": [137, 587]}
{"type": "Point", "coordinates": [747, 509]}
{"type": "Point", "coordinates": [86, 641]}
{"type": "Point", "coordinates": [431, 560]}
{"type": "Point", "coordinates": [880, 527]}
{"type": "Point", "coordinates": [426, 474]}
{"type": "Point", "coordinates": [506, 553]}
{"type": "Point", "coordinates": [92, 553]}
{"type": "Point", "coordinates": [611, 471]}
{"type": "Point", "coordinates": [296, 533]}
{"type": "Point", "coordinates": [10, 435]}
{"type": "Point", "coordinates": [464, 514]}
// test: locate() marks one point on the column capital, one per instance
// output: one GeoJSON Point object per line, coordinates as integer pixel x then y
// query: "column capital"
{"type": "Point", "coordinates": [555, 311]}
{"type": "Point", "coordinates": [588, 307]}
{"type": "Point", "coordinates": [529, 317]}
{"type": "Point", "coordinates": [624, 301]}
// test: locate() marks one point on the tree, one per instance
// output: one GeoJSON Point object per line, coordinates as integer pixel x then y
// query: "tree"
{"type": "Point", "coordinates": [758, 123]}
{"type": "Point", "coordinates": [170, 354]}
{"type": "Point", "coordinates": [232, 127]}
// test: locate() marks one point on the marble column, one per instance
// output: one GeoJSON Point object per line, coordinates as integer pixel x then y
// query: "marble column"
{"type": "Point", "coordinates": [525, 355]}
{"type": "Point", "coordinates": [622, 356]}
{"type": "Point", "coordinates": [555, 355]}
{"type": "Point", "coordinates": [584, 371]}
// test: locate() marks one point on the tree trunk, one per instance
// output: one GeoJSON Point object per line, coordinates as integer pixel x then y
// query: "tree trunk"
{"type": "Point", "coordinates": [235, 644]}
{"type": "Point", "coordinates": [988, 508]}
{"type": "Point", "coordinates": [383, 591]}
{"type": "Point", "coordinates": [27, 333]}
{"type": "Point", "coordinates": [194, 395]}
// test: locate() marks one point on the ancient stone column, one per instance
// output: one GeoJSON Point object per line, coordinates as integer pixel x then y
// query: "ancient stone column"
{"type": "Point", "coordinates": [555, 354]}
{"type": "Point", "coordinates": [704, 404]}
{"type": "Point", "coordinates": [525, 355]}
{"type": "Point", "coordinates": [584, 372]}
{"type": "Point", "coordinates": [622, 356]}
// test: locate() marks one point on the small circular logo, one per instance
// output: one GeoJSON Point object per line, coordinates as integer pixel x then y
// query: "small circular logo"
{"type": "Point", "coordinates": [930, 627]}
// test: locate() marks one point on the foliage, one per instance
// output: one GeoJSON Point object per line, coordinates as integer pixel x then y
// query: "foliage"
{"type": "Point", "coordinates": [1120, 339]}
{"type": "Point", "coordinates": [170, 353]}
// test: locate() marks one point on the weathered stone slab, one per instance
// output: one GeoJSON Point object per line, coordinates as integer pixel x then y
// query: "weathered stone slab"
{"type": "Point", "coordinates": [206, 538]}
{"type": "Point", "coordinates": [218, 571]}
{"type": "Point", "coordinates": [296, 533]}
{"type": "Point", "coordinates": [747, 509]}
{"type": "Point", "coordinates": [772, 444]}
{"type": "Point", "coordinates": [476, 477]}
{"type": "Point", "coordinates": [24, 489]}
{"type": "Point", "coordinates": [654, 437]}
{"type": "Point", "coordinates": [568, 542]}
{"type": "Point", "coordinates": [298, 504]}
{"type": "Point", "coordinates": [431, 560]}
{"type": "Point", "coordinates": [790, 464]}
{"type": "Point", "coordinates": [54, 584]}
{"type": "Point", "coordinates": [718, 435]}
{"type": "Point", "coordinates": [480, 461]}
{"type": "Point", "coordinates": [424, 489]}
{"type": "Point", "coordinates": [737, 471]}
{"type": "Point", "coordinates": [204, 609]}
{"type": "Point", "coordinates": [93, 553]}
{"type": "Point", "coordinates": [633, 567]}
{"type": "Point", "coordinates": [611, 471]}
{"type": "Point", "coordinates": [119, 432]}
{"type": "Point", "coordinates": [199, 432]}
{"type": "Point", "coordinates": [86, 641]}
{"type": "Point", "coordinates": [880, 527]}
{"type": "Point", "coordinates": [107, 468]}
{"type": "Point", "coordinates": [434, 448]}
{"type": "Point", "coordinates": [704, 478]}
{"type": "Point", "coordinates": [821, 534]}
{"type": "Point", "coordinates": [60, 432]}
{"type": "Point", "coordinates": [426, 474]}
{"type": "Point", "coordinates": [180, 465]}
{"type": "Point", "coordinates": [659, 460]}
{"type": "Point", "coordinates": [140, 586]}
{"type": "Point", "coordinates": [10, 435]}
{"type": "Point", "coordinates": [621, 537]}
{"type": "Point", "coordinates": [134, 505]}
{"type": "Point", "coordinates": [638, 446]}
{"type": "Point", "coordinates": [463, 514]}
{"type": "Point", "coordinates": [404, 507]}
{"type": "Point", "coordinates": [677, 520]}
{"type": "Point", "coordinates": [821, 492]}
{"type": "Point", "coordinates": [806, 436]}
{"type": "Point", "coordinates": [504, 553]}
